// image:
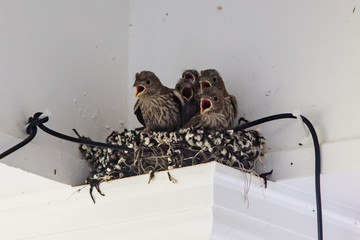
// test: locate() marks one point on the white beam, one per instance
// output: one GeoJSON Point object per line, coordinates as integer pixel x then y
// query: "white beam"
{"type": "Point", "coordinates": [335, 156]}
{"type": "Point", "coordinates": [206, 203]}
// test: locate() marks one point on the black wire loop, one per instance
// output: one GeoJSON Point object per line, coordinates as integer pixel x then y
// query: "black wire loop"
{"type": "Point", "coordinates": [38, 121]}
{"type": "Point", "coordinates": [31, 129]}
{"type": "Point", "coordinates": [34, 121]}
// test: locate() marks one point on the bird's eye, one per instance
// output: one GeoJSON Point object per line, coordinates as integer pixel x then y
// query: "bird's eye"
{"type": "Point", "coordinates": [215, 99]}
{"type": "Point", "coordinates": [214, 79]}
{"type": "Point", "coordinates": [147, 81]}
{"type": "Point", "coordinates": [178, 88]}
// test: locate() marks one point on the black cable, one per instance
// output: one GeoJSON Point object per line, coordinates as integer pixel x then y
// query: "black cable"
{"type": "Point", "coordinates": [38, 121]}
{"type": "Point", "coordinates": [21, 144]}
{"type": "Point", "coordinates": [31, 130]}
{"type": "Point", "coordinates": [84, 141]}
{"type": "Point", "coordinates": [317, 159]}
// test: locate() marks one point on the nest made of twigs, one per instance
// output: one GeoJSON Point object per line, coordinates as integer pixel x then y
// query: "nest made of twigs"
{"type": "Point", "coordinates": [158, 151]}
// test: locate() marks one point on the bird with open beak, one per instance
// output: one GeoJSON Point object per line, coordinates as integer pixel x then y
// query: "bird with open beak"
{"type": "Point", "coordinates": [211, 78]}
{"type": "Point", "coordinates": [191, 74]}
{"type": "Point", "coordinates": [213, 113]}
{"type": "Point", "coordinates": [158, 108]}
{"type": "Point", "coordinates": [188, 86]}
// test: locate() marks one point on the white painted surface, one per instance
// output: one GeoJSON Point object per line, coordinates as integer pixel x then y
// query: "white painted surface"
{"type": "Point", "coordinates": [275, 56]}
{"type": "Point", "coordinates": [78, 59]}
{"type": "Point", "coordinates": [70, 57]}
{"type": "Point", "coordinates": [206, 203]}
{"type": "Point", "coordinates": [43, 161]}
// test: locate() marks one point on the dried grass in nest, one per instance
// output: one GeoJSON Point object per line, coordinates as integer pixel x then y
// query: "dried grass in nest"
{"type": "Point", "coordinates": [158, 151]}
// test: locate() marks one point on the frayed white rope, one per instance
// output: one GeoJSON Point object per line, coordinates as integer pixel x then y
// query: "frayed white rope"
{"type": "Point", "coordinates": [307, 137]}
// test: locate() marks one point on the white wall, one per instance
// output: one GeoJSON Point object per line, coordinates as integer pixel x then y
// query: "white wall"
{"type": "Point", "coordinates": [275, 56]}
{"type": "Point", "coordinates": [78, 59]}
{"type": "Point", "coordinates": [70, 57]}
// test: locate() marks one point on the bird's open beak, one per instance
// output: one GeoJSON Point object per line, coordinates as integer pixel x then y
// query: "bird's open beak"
{"type": "Point", "coordinates": [189, 76]}
{"type": "Point", "coordinates": [205, 105]}
{"type": "Point", "coordinates": [204, 84]}
{"type": "Point", "coordinates": [139, 90]}
{"type": "Point", "coordinates": [187, 93]}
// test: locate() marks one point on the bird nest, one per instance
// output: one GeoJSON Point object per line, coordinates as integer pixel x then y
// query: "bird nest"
{"type": "Point", "coordinates": [158, 151]}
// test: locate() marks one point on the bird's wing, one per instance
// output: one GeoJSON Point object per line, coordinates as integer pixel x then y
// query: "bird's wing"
{"type": "Point", "coordinates": [234, 104]}
{"type": "Point", "coordinates": [180, 101]}
{"type": "Point", "coordinates": [178, 98]}
{"type": "Point", "coordinates": [193, 122]}
{"type": "Point", "coordinates": [138, 113]}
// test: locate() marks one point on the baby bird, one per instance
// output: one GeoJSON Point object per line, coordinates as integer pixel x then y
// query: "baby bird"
{"type": "Point", "coordinates": [158, 108]}
{"type": "Point", "coordinates": [191, 74]}
{"type": "Point", "coordinates": [211, 78]}
{"type": "Point", "coordinates": [189, 86]}
{"type": "Point", "coordinates": [213, 111]}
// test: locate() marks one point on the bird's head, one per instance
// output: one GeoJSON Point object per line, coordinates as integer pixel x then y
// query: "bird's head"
{"type": "Point", "coordinates": [186, 88]}
{"type": "Point", "coordinates": [211, 101]}
{"type": "Point", "coordinates": [191, 75]}
{"type": "Point", "coordinates": [188, 85]}
{"type": "Point", "coordinates": [146, 83]}
{"type": "Point", "coordinates": [211, 78]}
{"type": "Point", "coordinates": [205, 105]}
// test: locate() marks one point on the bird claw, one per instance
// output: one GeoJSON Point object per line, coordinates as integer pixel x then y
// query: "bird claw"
{"type": "Point", "coordinates": [173, 180]}
{"type": "Point", "coordinates": [151, 176]}
{"type": "Point", "coordinates": [97, 188]}
{"type": "Point", "coordinates": [264, 177]}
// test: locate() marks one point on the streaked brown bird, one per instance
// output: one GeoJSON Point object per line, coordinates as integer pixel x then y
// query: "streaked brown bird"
{"type": "Point", "coordinates": [213, 111]}
{"type": "Point", "coordinates": [191, 74]}
{"type": "Point", "coordinates": [211, 78]}
{"type": "Point", "coordinates": [189, 86]}
{"type": "Point", "coordinates": [158, 108]}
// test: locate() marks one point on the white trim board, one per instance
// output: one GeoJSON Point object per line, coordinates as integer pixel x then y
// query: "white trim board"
{"type": "Point", "coordinates": [299, 162]}
{"type": "Point", "coordinates": [207, 202]}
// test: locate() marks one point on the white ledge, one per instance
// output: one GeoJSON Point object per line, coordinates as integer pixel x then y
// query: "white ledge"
{"type": "Point", "coordinates": [50, 163]}
{"type": "Point", "coordinates": [300, 162]}
{"type": "Point", "coordinates": [207, 202]}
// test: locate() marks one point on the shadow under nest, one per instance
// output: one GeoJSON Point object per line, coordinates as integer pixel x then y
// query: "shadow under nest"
{"type": "Point", "coordinates": [158, 151]}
